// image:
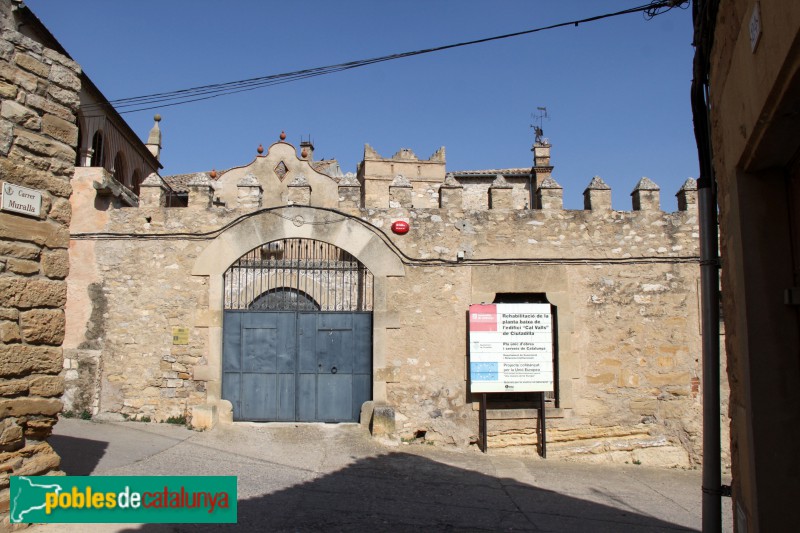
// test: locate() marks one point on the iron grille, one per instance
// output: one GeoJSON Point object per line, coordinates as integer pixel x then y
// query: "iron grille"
{"type": "Point", "coordinates": [298, 275]}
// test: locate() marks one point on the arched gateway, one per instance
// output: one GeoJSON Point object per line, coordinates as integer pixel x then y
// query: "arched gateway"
{"type": "Point", "coordinates": [289, 287]}
{"type": "Point", "coordinates": [297, 333]}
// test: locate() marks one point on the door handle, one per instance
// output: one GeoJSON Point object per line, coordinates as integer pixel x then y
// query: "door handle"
{"type": "Point", "coordinates": [334, 370]}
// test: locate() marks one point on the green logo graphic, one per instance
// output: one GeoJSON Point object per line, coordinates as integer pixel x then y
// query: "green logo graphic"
{"type": "Point", "coordinates": [123, 499]}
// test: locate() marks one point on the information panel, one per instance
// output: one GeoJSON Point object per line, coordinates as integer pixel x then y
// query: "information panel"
{"type": "Point", "coordinates": [511, 348]}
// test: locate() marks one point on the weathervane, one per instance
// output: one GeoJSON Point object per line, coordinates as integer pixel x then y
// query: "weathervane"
{"type": "Point", "coordinates": [538, 118]}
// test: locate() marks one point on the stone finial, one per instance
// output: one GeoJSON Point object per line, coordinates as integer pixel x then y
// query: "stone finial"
{"type": "Point", "coordinates": [400, 181]}
{"type": "Point", "coordinates": [153, 192]}
{"type": "Point", "coordinates": [451, 193]}
{"type": "Point", "coordinates": [401, 192]}
{"type": "Point", "coordinates": [597, 195]}
{"type": "Point", "coordinates": [687, 195]}
{"type": "Point", "coordinates": [438, 156]}
{"type": "Point", "coordinates": [201, 191]}
{"type": "Point", "coordinates": [550, 195]}
{"type": "Point", "coordinates": [250, 192]}
{"type": "Point", "coordinates": [501, 194]}
{"type": "Point", "coordinates": [153, 180]}
{"type": "Point", "coordinates": [349, 191]}
{"type": "Point", "coordinates": [500, 182]}
{"type": "Point", "coordinates": [248, 180]}
{"type": "Point", "coordinates": [299, 191]}
{"type": "Point", "coordinates": [645, 196]}
{"type": "Point", "coordinates": [370, 153]}
{"type": "Point", "coordinates": [299, 180]}
{"type": "Point", "coordinates": [349, 179]}
{"type": "Point", "coordinates": [154, 138]}
{"type": "Point", "coordinates": [450, 182]}
{"type": "Point", "coordinates": [405, 154]}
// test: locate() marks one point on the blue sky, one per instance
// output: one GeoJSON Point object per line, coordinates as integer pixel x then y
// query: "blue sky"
{"type": "Point", "coordinates": [616, 90]}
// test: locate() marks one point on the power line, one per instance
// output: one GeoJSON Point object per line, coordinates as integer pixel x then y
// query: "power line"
{"type": "Point", "coordinates": [205, 92]}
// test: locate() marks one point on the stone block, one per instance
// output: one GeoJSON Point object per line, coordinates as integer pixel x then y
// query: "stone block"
{"type": "Point", "coordinates": [8, 91]}
{"type": "Point", "coordinates": [21, 359]}
{"type": "Point", "coordinates": [24, 406]}
{"type": "Point", "coordinates": [46, 386]}
{"type": "Point", "coordinates": [41, 293]}
{"type": "Point", "coordinates": [204, 416]}
{"type": "Point", "coordinates": [18, 228]}
{"type": "Point", "coordinates": [55, 264]}
{"type": "Point", "coordinates": [32, 65]}
{"type": "Point", "coordinates": [669, 378]}
{"type": "Point", "coordinates": [19, 114]}
{"type": "Point", "coordinates": [19, 77]}
{"type": "Point", "coordinates": [225, 412]}
{"type": "Point", "coordinates": [7, 50]}
{"type": "Point", "coordinates": [20, 250]}
{"type": "Point", "coordinates": [23, 41]}
{"type": "Point", "coordinates": [61, 211]}
{"type": "Point", "coordinates": [11, 435]}
{"type": "Point", "coordinates": [366, 414]}
{"type": "Point", "coordinates": [41, 462]}
{"type": "Point", "coordinates": [22, 266]}
{"type": "Point", "coordinates": [383, 423]}
{"type": "Point", "coordinates": [9, 332]}
{"type": "Point", "coordinates": [62, 60]}
{"type": "Point", "coordinates": [60, 129]}
{"type": "Point", "coordinates": [65, 77]}
{"type": "Point", "coordinates": [644, 406]}
{"type": "Point", "coordinates": [501, 198]}
{"type": "Point", "coordinates": [203, 373]}
{"type": "Point", "coordinates": [7, 313]}
{"type": "Point", "coordinates": [6, 136]}
{"type": "Point", "coordinates": [42, 326]}
{"type": "Point", "coordinates": [39, 428]}
{"type": "Point", "coordinates": [64, 97]}
{"type": "Point", "coordinates": [48, 106]}
{"type": "Point", "coordinates": [43, 146]}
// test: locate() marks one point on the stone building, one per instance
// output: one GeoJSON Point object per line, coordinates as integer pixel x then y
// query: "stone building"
{"type": "Point", "coordinates": [753, 68]}
{"type": "Point", "coordinates": [39, 86]}
{"type": "Point", "coordinates": [54, 125]}
{"type": "Point", "coordinates": [281, 292]}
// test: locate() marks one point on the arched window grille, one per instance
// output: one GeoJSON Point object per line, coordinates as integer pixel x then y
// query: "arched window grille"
{"type": "Point", "coordinates": [298, 275]}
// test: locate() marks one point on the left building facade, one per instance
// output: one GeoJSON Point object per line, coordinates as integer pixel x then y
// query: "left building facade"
{"type": "Point", "coordinates": [47, 135]}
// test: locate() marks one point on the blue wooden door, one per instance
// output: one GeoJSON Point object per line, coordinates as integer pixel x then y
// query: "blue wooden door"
{"type": "Point", "coordinates": [297, 366]}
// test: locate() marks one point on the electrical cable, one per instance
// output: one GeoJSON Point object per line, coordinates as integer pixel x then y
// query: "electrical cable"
{"type": "Point", "coordinates": [206, 92]}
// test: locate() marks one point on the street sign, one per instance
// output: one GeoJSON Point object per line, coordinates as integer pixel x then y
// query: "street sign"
{"type": "Point", "coordinates": [21, 200]}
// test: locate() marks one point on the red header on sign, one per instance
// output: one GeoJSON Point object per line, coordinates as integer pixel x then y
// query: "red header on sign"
{"type": "Point", "coordinates": [483, 317]}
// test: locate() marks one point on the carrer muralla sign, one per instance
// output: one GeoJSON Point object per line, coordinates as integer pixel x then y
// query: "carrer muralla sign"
{"type": "Point", "coordinates": [123, 499]}
{"type": "Point", "coordinates": [20, 200]}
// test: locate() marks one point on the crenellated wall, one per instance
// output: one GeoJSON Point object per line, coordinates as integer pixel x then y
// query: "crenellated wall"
{"type": "Point", "coordinates": [625, 285]}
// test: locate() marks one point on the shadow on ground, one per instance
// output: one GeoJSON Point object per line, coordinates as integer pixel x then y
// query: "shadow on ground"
{"type": "Point", "coordinates": [79, 457]}
{"type": "Point", "coordinates": [405, 492]}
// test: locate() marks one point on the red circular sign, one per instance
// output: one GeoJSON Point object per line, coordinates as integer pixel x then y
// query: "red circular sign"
{"type": "Point", "coordinates": [400, 227]}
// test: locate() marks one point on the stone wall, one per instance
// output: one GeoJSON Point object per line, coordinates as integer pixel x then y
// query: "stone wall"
{"type": "Point", "coordinates": [38, 137]}
{"type": "Point", "coordinates": [625, 284]}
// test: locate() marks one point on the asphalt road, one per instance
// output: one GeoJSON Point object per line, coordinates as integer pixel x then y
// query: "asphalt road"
{"type": "Point", "coordinates": [326, 477]}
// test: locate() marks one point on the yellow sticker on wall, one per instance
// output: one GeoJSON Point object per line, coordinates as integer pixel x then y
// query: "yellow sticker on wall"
{"type": "Point", "coordinates": [180, 335]}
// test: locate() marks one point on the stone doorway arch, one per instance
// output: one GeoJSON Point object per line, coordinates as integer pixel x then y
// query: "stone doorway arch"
{"type": "Point", "coordinates": [348, 233]}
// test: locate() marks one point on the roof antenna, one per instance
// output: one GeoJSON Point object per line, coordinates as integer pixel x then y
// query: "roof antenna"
{"type": "Point", "coordinates": [538, 118]}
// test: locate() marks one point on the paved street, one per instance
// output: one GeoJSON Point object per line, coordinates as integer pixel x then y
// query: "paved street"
{"type": "Point", "coordinates": [318, 477]}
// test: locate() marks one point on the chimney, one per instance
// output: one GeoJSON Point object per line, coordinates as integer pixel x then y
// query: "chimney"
{"type": "Point", "coordinates": [306, 149]}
